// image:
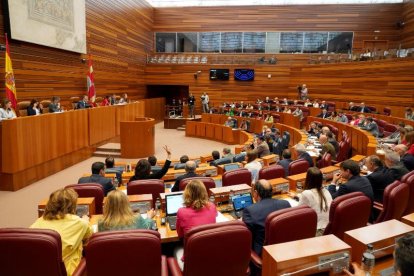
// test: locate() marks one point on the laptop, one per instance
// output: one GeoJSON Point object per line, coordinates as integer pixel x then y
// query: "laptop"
{"type": "Point", "coordinates": [230, 167]}
{"type": "Point", "coordinates": [173, 202]}
{"type": "Point", "coordinates": [241, 201]}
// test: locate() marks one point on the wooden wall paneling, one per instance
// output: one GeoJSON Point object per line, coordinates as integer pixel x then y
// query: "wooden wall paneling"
{"type": "Point", "coordinates": [119, 38]}
{"type": "Point", "coordinates": [101, 124]}
{"type": "Point", "coordinates": [155, 108]}
{"type": "Point", "coordinates": [218, 132]}
{"type": "Point", "coordinates": [128, 113]}
{"type": "Point", "coordinates": [210, 131]}
{"type": "Point", "coordinates": [362, 19]}
{"type": "Point", "coordinates": [407, 33]}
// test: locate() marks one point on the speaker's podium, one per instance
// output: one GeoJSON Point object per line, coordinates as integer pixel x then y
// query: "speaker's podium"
{"type": "Point", "coordinates": [137, 138]}
{"type": "Point", "coordinates": [325, 254]}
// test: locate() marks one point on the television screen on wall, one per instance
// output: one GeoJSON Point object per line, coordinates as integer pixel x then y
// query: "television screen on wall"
{"type": "Point", "coordinates": [219, 74]}
{"type": "Point", "coordinates": [244, 74]}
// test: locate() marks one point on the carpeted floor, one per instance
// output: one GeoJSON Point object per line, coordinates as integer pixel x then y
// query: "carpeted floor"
{"type": "Point", "coordinates": [19, 209]}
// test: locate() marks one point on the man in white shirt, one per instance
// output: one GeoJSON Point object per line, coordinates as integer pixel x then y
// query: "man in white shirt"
{"type": "Point", "coordinates": [204, 101]}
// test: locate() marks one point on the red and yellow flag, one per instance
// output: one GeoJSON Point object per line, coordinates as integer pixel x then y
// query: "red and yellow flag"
{"type": "Point", "coordinates": [10, 84]}
{"type": "Point", "coordinates": [91, 82]}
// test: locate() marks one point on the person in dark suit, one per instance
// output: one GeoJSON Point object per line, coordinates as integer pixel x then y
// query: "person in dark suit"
{"type": "Point", "coordinates": [396, 168]}
{"type": "Point", "coordinates": [110, 168]}
{"type": "Point", "coordinates": [364, 109]}
{"type": "Point", "coordinates": [255, 215]}
{"type": "Point", "coordinates": [302, 154]}
{"type": "Point", "coordinates": [34, 108]}
{"type": "Point", "coordinates": [54, 106]}
{"type": "Point", "coordinates": [324, 114]}
{"type": "Point", "coordinates": [98, 176]}
{"type": "Point", "coordinates": [326, 147]}
{"type": "Point", "coordinates": [371, 126]}
{"type": "Point", "coordinates": [153, 162]}
{"type": "Point", "coordinates": [82, 104]}
{"type": "Point", "coordinates": [286, 154]}
{"type": "Point", "coordinates": [379, 178]}
{"type": "Point", "coordinates": [190, 167]}
{"type": "Point", "coordinates": [355, 183]}
{"type": "Point", "coordinates": [262, 148]}
{"type": "Point", "coordinates": [406, 158]}
{"type": "Point", "coordinates": [143, 168]}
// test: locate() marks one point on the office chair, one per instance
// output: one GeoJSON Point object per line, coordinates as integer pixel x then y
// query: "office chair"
{"type": "Point", "coordinates": [147, 186]}
{"type": "Point", "coordinates": [395, 202]}
{"type": "Point", "coordinates": [271, 172]}
{"type": "Point", "coordinates": [90, 190]}
{"type": "Point", "coordinates": [207, 181]}
{"type": "Point", "coordinates": [238, 176]}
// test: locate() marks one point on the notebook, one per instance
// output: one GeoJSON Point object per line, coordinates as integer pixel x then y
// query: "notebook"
{"type": "Point", "coordinates": [173, 202]}
{"type": "Point", "coordinates": [241, 201]}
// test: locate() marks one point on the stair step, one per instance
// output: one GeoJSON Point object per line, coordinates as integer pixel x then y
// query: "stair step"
{"type": "Point", "coordinates": [102, 153]}
{"type": "Point", "coordinates": [108, 149]}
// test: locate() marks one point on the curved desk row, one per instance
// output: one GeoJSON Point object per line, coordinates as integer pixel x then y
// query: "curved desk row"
{"type": "Point", "coordinates": [37, 146]}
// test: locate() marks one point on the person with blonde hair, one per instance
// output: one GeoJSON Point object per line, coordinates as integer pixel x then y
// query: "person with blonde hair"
{"type": "Point", "coordinates": [197, 209]}
{"type": "Point", "coordinates": [60, 215]}
{"type": "Point", "coordinates": [118, 215]}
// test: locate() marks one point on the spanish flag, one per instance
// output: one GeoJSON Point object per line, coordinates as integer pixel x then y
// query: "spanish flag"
{"type": "Point", "coordinates": [10, 84]}
{"type": "Point", "coordinates": [91, 81]}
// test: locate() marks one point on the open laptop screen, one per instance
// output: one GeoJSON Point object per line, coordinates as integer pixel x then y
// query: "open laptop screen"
{"type": "Point", "coordinates": [173, 202]}
{"type": "Point", "coordinates": [231, 167]}
{"type": "Point", "coordinates": [242, 201]}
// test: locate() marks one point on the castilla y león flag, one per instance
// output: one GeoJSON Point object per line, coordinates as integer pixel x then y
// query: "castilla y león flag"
{"type": "Point", "coordinates": [10, 84]}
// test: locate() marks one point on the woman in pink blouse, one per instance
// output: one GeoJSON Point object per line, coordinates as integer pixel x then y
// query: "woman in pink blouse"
{"type": "Point", "coordinates": [197, 211]}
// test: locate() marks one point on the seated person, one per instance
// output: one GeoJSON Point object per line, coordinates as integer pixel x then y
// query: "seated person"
{"type": "Point", "coordinates": [82, 104]}
{"type": "Point", "coordinates": [312, 129]}
{"type": "Point", "coordinates": [118, 215]}
{"type": "Point", "coordinates": [197, 211]}
{"type": "Point", "coordinates": [324, 114]}
{"type": "Point", "coordinates": [60, 215]}
{"type": "Point", "coordinates": [395, 137]}
{"type": "Point", "coordinates": [216, 155]}
{"type": "Point", "coordinates": [229, 122]}
{"type": "Point", "coordinates": [181, 165]}
{"type": "Point", "coordinates": [315, 103]}
{"type": "Point", "coordinates": [243, 125]}
{"type": "Point", "coordinates": [342, 117]}
{"type": "Point", "coordinates": [255, 215]}
{"type": "Point", "coordinates": [409, 141]}
{"type": "Point", "coordinates": [34, 108]}
{"type": "Point", "coordinates": [110, 168]}
{"type": "Point", "coordinates": [409, 115]}
{"type": "Point", "coordinates": [326, 146]}
{"type": "Point", "coordinates": [334, 116]}
{"type": "Point", "coordinates": [332, 140]}
{"type": "Point", "coordinates": [143, 168]}
{"type": "Point", "coordinates": [54, 106]}
{"type": "Point", "coordinates": [323, 105]}
{"type": "Point", "coordinates": [106, 101]}
{"type": "Point", "coordinates": [317, 197]}
{"type": "Point", "coordinates": [355, 183]}
{"type": "Point", "coordinates": [269, 118]}
{"type": "Point", "coordinates": [190, 171]}
{"type": "Point", "coordinates": [98, 176]}
{"type": "Point", "coordinates": [7, 112]}
{"type": "Point", "coordinates": [355, 120]}
{"type": "Point", "coordinates": [379, 178]}
{"type": "Point", "coordinates": [261, 147]}
{"type": "Point", "coordinates": [298, 113]}
{"type": "Point", "coordinates": [302, 154]}
{"type": "Point", "coordinates": [227, 153]}
{"type": "Point", "coordinates": [406, 158]}
{"type": "Point", "coordinates": [124, 99]}
{"type": "Point", "coordinates": [364, 109]}
{"type": "Point", "coordinates": [371, 126]}
{"type": "Point", "coordinates": [396, 169]}
{"type": "Point", "coordinates": [287, 110]}
{"type": "Point", "coordinates": [153, 162]}
{"type": "Point", "coordinates": [253, 165]}
{"type": "Point", "coordinates": [285, 161]}
{"type": "Point", "coordinates": [353, 107]}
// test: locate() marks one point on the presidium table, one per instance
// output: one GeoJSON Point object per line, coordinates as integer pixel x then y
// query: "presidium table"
{"type": "Point", "coordinates": [35, 147]}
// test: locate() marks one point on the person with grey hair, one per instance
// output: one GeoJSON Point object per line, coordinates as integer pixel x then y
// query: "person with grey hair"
{"type": "Point", "coordinates": [302, 154]}
{"type": "Point", "coordinates": [227, 153]}
{"type": "Point", "coordinates": [190, 168]}
{"type": "Point", "coordinates": [396, 168]}
{"type": "Point", "coordinates": [379, 177]}
{"type": "Point", "coordinates": [406, 158]}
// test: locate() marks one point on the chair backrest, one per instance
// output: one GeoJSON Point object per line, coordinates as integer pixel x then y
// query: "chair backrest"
{"type": "Point", "coordinates": [231, 243]}
{"type": "Point", "coordinates": [90, 190]}
{"type": "Point", "coordinates": [348, 212]}
{"type": "Point", "coordinates": [207, 181]}
{"type": "Point", "coordinates": [26, 251]}
{"type": "Point", "coordinates": [285, 139]}
{"type": "Point", "coordinates": [325, 161]}
{"type": "Point", "coordinates": [238, 176]}
{"type": "Point", "coordinates": [395, 201]}
{"type": "Point", "coordinates": [390, 128]}
{"type": "Point", "coordinates": [271, 172]}
{"type": "Point", "coordinates": [343, 152]}
{"type": "Point", "coordinates": [290, 224]}
{"type": "Point", "coordinates": [137, 252]}
{"type": "Point", "coordinates": [387, 111]}
{"type": "Point", "coordinates": [22, 108]}
{"type": "Point", "coordinates": [147, 186]}
{"type": "Point", "coordinates": [298, 166]}
{"type": "Point", "coordinates": [406, 176]}
{"type": "Point", "coordinates": [410, 204]}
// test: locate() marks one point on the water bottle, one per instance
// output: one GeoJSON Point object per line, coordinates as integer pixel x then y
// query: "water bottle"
{"type": "Point", "coordinates": [116, 182]}
{"type": "Point", "coordinates": [368, 260]}
{"type": "Point", "coordinates": [158, 207]}
{"type": "Point", "coordinates": [231, 194]}
{"type": "Point", "coordinates": [213, 199]}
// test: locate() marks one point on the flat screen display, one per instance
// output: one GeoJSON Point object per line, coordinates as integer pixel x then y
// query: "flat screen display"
{"type": "Point", "coordinates": [219, 74]}
{"type": "Point", "coordinates": [244, 74]}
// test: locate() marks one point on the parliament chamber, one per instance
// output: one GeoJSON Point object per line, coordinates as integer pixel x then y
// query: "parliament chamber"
{"type": "Point", "coordinates": [161, 55]}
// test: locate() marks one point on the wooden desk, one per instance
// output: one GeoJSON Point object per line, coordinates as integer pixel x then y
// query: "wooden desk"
{"type": "Point", "coordinates": [296, 179]}
{"type": "Point", "coordinates": [136, 133]}
{"type": "Point", "coordinates": [88, 201]}
{"type": "Point", "coordinates": [221, 194]}
{"type": "Point", "coordinates": [270, 159]}
{"type": "Point", "coordinates": [379, 235]}
{"type": "Point", "coordinates": [280, 185]}
{"type": "Point", "coordinates": [357, 158]}
{"type": "Point", "coordinates": [408, 219]}
{"type": "Point", "coordinates": [296, 255]}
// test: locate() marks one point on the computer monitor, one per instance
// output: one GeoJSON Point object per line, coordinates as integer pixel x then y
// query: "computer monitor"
{"type": "Point", "coordinates": [231, 167]}
{"type": "Point", "coordinates": [241, 201]}
{"type": "Point", "coordinates": [173, 202]}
